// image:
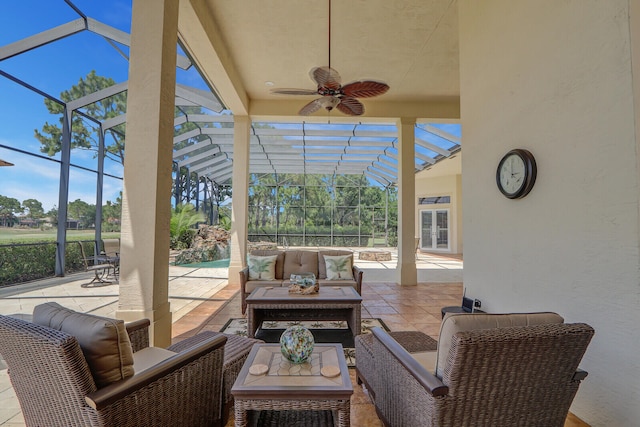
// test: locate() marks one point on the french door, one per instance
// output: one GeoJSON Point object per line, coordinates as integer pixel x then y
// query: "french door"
{"type": "Point", "coordinates": [434, 230]}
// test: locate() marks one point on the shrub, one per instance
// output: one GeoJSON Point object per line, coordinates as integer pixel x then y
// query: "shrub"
{"type": "Point", "coordinates": [183, 218]}
{"type": "Point", "coordinates": [24, 262]}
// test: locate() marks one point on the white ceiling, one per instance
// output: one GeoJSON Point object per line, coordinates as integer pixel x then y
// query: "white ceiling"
{"type": "Point", "coordinates": [412, 45]}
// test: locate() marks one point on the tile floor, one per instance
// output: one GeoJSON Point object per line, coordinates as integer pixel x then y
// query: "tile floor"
{"type": "Point", "coordinates": [201, 300]}
{"type": "Point", "coordinates": [401, 308]}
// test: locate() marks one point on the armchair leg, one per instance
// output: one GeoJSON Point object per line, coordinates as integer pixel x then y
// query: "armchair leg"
{"type": "Point", "coordinates": [100, 277]}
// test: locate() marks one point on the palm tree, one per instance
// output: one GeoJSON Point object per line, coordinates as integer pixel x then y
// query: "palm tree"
{"type": "Point", "coordinates": [183, 218]}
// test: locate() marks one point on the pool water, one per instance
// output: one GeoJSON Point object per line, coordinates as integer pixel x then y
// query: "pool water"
{"type": "Point", "coordinates": [219, 263]}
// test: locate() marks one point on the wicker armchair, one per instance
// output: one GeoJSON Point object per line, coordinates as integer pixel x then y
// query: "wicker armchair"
{"type": "Point", "coordinates": [55, 386]}
{"type": "Point", "coordinates": [522, 375]}
{"type": "Point", "coordinates": [236, 351]}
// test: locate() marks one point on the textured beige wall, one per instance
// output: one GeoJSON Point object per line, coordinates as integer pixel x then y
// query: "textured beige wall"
{"type": "Point", "coordinates": [443, 186]}
{"type": "Point", "coordinates": [555, 78]}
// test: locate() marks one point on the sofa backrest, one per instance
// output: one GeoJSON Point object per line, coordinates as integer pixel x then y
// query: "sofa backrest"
{"type": "Point", "coordinates": [300, 261]}
{"type": "Point", "coordinates": [322, 265]}
{"type": "Point", "coordinates": [279, 260]}
{"type": "Point", "coordinates": [459, 322]}
{"type": "Point", "coordinates": [296, 261]}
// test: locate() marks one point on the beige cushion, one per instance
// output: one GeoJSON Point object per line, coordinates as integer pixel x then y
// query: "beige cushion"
{"type": "Point", "coordinates": [427, 359]}
{"type": "Point", "coordinates": [457, 322]}
{"type": "Point", "coordinates": [149, 357]}
{"type": "Point", "coordinates": [339, 267]}
{"type": "Point", "coordinates": [322, 265]}
{"type": "Point", "coordinates": [262, 267]}
{"type": "Point", "coordinates": [296, 262]}
{"type": "Point", "coordinates": [104, 341]}
{"type": "Point", "coordinates": [279, 259]}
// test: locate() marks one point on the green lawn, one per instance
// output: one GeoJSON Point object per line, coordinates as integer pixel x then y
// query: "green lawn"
{"type": "Point", "coordinates": [24, 235]}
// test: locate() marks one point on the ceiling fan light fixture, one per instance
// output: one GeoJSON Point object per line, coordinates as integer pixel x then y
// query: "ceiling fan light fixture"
{"type": "Point", "coordinates": [329, 102]}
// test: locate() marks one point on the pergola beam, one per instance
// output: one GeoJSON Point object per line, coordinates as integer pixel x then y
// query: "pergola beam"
{"type": "Point", "coordinates": [41, 39]}
{"type": "Point", "coordinates": [442, 134]}
{"type": "Point", "coordinates": [429, 146]}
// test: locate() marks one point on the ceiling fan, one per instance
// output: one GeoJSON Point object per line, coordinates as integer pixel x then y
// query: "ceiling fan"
{"type": "Point", "coordinates": [333, 94]}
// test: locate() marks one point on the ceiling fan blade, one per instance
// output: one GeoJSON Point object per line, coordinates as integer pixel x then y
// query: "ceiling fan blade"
{"type": "Point", "coordinates": [294, 91]}
{"type": "Point", "coordinates": [326, 77]}
{"type": "Point", "coordinates": [365, 89]}
{"type": "Point", "coordinates": [311, 107]}
{"type": "Point", "coordinates": [350, 106]}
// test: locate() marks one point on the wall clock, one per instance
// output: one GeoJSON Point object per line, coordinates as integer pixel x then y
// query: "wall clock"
{"type": "Point", "coordinates": [516, 173]}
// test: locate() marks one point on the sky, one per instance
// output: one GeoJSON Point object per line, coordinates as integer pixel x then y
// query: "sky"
{"type": "Point", "coordinates": [53, 68]}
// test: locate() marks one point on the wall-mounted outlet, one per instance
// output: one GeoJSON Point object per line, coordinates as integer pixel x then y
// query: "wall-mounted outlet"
{"type": "Point", "coordinates": [477, 303]}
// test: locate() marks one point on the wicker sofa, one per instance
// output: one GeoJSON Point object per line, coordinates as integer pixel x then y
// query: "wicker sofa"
{"type": "Point", "coordinates": [290, 262]}
{"type": "Point", "coordinates": [497, 370]}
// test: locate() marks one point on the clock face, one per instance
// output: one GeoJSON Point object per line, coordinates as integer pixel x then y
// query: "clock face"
{"type": "Point", "coordinates": [512, 174]}
{"type": "Point", "coordinates": [516, 173]}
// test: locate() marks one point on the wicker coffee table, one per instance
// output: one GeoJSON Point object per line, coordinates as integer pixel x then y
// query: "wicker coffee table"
{"type": "Point", "coordinates": [286, 387]}
{"type": "Point", "coordinates": [330, 303]}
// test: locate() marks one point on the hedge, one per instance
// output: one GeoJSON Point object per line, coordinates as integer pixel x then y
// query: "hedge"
{"type": "Point", "coordinates": [24, 262]}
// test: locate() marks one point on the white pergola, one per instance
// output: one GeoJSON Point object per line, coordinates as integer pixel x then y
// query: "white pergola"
{"type": "Point", "coordinates": [393, 140]}
{"type": "Point", "coordinates": [335, 146]}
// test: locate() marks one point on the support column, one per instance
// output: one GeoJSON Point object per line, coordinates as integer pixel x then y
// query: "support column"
{"type": "Point", "coordinates": [240, 200]}
{"type": "Point", "coordinates": [63, 193]}
{"type": "Point", "coordinates": [146, 200]}
{"type": "Point", "coordinates": [99, 186]}
{"type": "Point", "coordinates": [406, 273]}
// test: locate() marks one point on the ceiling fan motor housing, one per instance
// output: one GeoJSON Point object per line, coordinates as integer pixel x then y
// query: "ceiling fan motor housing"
{"type": "Point", "coordinates": [329, 102]}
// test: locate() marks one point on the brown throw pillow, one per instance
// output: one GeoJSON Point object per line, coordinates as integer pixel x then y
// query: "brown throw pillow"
{"type": "Point", "coordinates": [104, 341]}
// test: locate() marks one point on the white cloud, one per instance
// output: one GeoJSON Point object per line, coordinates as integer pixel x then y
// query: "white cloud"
{"type": "Point", "coordinates": [111, 189]}
{"type": "Point", "coordinates": [34, 168]}
{"type": "Point", "coordinates": [34, 178]}
{"type": "Point", "coordinates": [113, 168]}
{"type": "Point", "coordinates": [45, 192]}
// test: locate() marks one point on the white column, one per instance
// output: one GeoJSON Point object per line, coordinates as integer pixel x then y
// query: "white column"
{"type": "Point", "coordinates": [406, 273]}
{"type": "Point", "coordinates": [146, 204]}
{"type": "Point", "coordinates": [240, 200]}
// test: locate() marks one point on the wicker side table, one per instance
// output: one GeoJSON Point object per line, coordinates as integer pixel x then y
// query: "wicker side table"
{"type": "Point", "coordinates": [366, 371]}
{"type": "Point", "coordinates": [293, 388]}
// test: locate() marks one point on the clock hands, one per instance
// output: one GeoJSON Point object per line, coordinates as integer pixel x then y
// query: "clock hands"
{"type": "Point", "coordinates": [511, 178]}
{"type": "Point", "coordinates": [516, 173]}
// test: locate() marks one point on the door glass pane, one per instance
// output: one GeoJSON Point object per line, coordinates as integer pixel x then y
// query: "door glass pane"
{"type": "Point", "coordinates": [442, 227]}
{"type": "Point", "coordinates": [427, 225]}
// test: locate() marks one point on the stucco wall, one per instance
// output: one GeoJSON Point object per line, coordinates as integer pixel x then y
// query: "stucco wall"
{"type": "Point", "coordinates": [555, 78]}
{"type": "Point", "coordinates": [443, 186]}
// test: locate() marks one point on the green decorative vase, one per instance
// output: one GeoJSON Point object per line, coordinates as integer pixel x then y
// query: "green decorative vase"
{"type": "Point", "coordinates": [296, 344]}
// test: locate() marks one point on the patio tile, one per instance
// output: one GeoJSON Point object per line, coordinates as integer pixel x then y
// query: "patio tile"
{"type": "Point", "coordinates": [201, 300]}
{"type": "Point", "coordinates": [375, 303]}
{"type": "Point", "coordinates": [379, 310]}
{"type": "Point", "coordinates": [422, 318]}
